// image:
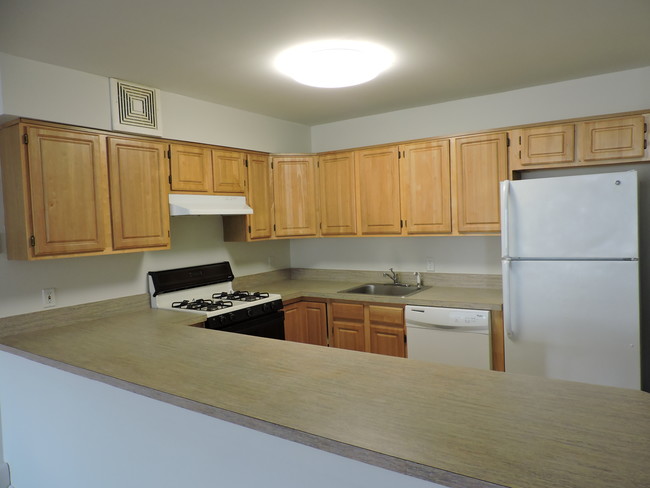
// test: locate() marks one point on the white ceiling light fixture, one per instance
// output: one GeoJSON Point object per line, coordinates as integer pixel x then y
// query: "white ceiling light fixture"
{"type": "Point", "coordinates": [334, 63]}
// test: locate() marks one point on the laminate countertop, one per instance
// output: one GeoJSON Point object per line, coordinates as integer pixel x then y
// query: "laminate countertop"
{"type": "Point", "coordinates": [435, 296]}
{"type": "Point", "coordinates": [451, 425]}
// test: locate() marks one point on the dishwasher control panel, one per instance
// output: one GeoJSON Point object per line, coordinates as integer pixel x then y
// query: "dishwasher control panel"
{"type": "Point", "coordinates": [470, 317]}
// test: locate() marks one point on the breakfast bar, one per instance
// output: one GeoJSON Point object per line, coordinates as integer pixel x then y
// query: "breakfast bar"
{"type": "Point", "coordinates": [448, 425]}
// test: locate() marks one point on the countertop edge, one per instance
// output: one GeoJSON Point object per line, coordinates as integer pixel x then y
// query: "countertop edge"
{"type": "Point", "coordinates": [391, 463]}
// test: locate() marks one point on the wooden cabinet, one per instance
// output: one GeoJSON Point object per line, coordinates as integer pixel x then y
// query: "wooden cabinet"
{"type": "Point", "coordinates": [543, 146]}
{"type": "Point", "coordinates": [306, 322]}
{"type": "Point", "coordinates": [138, 187]}
{"type": "Point", "coordinates": [295, 193]}
{"type": "Point", "coordinates": [191, 168]}
{"type": "Point", "coordinates": [377, 174]}
{"type": "Point", "coordinates": [347, 325]}
{"type": "Point", "coordinates": [56, 192]}
{"type": "Point", "coordinates": [338, 207]}
{"type": "Point", "coordinates": [386, 329]}
{"type": "Point", "coordinates": [369, 327]}
{"type": "Point", "coordinates": [479, 164]}
{"type": "Point", "coordinates": [615, 138]}
{"type": "Point", "coordinates": [259, 195]}
{"type": "Point", "coordinates": [228, 172]}
{"type": "Point", "coordinates": [425, 187]}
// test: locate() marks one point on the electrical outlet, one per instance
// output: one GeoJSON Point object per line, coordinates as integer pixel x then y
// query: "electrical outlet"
{"type": "Point", "coordinates": [430, 264]}
{"type": "Point", "coordinates": [271, 261]}
{"type": "Point", "coordinates": [49, 297]}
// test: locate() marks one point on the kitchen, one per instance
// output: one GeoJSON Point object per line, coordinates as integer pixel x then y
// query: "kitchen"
{"type": "Point", "coordinates": [53, 90]}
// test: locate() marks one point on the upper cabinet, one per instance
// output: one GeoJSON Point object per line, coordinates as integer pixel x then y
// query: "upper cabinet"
{"type": "Point", "coordinates": [377, 174]}
{"type": "Point", "coordinates": [617, 138]}
{"type": "Point", "coordinates": [479, 164]}
{"type": "Point", "coordinates": [338, 206]}
{"type": "Point", "coordinates": [295, 195]}
{"type": "Point", "coordinates": [138, 187]}
{"type": "Point", "coordinates": [56, 193]}
{"type": "Point", "coordinates": [425, 187]}
{"type": "Point", "coordinates": [551, 144]}
{"type": "Point", "coordinates": [200, 169]}
{"type": "Point", "coordinates": [65, 176]}
{"type": "Point", "coordinates": [228, 172]}
{"type": "Point", "coordinates": [191, 168]}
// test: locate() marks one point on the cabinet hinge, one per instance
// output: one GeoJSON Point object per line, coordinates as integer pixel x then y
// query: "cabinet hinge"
{"type": "Point", "coordinates": [399, 154]}
{"type": "Point", "coordinates": [169, 154]}
{"type": "Point", "coordinates": [273, 227]}
{"type": "Point", "coordinates": [170, 179]}
{"type": "Point", "coordinates": [508, 141]}
{"type": "Point", "coordinates": [645, 127]}
{"type": "Point", "coordinates": [401, 223]}
{"type": "Point", "coordinates": [645, 143]}
{"type": "Point", "coordinates": [246, 162]}
{"type": "Point", "coordinates": [25, 139]}
{"type": "Point", "coordinates": [32, 241]}
{"type": "Point", "coordinates": [249, 229]}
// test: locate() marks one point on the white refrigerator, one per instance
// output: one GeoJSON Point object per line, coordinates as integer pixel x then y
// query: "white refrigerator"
{"type": "Point", "coordinates": [571, 278]}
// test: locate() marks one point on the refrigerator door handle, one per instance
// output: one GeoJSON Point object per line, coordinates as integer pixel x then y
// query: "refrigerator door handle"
{"type": "Point", "coordinates": [507, 323]}
{"type": "Point", "coordinates": [505, 218]}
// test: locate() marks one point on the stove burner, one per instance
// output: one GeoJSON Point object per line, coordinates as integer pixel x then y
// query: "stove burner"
{"type": "Point", "coordinates": [205, 305]}
{"type": "Point", "coordinates": [242, 296]}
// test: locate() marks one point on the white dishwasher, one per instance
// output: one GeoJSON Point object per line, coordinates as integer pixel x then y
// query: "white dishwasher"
{"type": "Point", "coordinates": [455, 336]}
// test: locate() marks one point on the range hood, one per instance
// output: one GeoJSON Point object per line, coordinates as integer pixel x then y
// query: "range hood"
{"type": "Point", "coordinates": [182, 204]}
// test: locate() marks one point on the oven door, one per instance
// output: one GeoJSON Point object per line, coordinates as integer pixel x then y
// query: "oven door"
{"type": "Point", "coordinates": [270, 325]}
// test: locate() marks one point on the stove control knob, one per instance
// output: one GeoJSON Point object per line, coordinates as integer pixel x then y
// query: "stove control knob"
{"type": "Point", "coordinates": [232, 317]}
{"type": "Point", "coordinates": [249, 312]}
{"type": "Point", "coordinates": [266, 307]}
{"type": "Point", "coordinates": [222, 319]}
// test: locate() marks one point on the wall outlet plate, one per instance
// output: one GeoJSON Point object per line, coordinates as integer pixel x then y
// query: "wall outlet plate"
{"type": "Point", "coordinates": [49, 297]}
{"type": "Point", "coordinates": [431, 266]}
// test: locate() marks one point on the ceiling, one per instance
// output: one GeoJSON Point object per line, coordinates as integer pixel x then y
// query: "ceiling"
{"type": "Point", "coordinates": [221, 50]}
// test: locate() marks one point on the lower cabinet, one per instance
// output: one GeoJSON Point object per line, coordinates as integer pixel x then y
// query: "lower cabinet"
{"type": "Point", "coordinates": [306, 322]}
{"type": "Point", "coordinates": [369, 327]}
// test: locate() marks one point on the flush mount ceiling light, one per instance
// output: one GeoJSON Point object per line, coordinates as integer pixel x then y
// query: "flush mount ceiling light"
{"type": "Point", "coordinates": [334, 64]}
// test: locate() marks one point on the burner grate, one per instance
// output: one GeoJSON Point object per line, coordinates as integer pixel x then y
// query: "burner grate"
{"type": "Point", "coordinates": [205, 305]}
{"type": "Point", "coordinates": [241, 296]}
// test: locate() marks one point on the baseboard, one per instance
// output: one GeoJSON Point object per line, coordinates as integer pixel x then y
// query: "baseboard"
{"type": "Point", "coordinates": [5, 479]}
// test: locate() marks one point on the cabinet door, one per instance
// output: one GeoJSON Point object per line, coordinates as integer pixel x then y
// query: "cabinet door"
{"type": "Point", "coordinates": [386, 326]}
{"type": "Point", "coordinates": [425, 188]}
{"type": "Point", "coordinates": [191, 168]}
{"type": "Point", "coordinates": [139, 196]}
{"type": "Point", "coordinates": [377, 172]}
{"type": "Point", "coordinates": [67, 177]}
{"type": "Point", "coordinates": [306, 322]}
{"type": "Point", "coordinates": [260, 197]}
{"type": "Point", "coordinates": [228, 172]}
{"type": "Point", "coordinates": [347, 325]}
{"type": "Point", "coordinates": [337, 194]}
{"type": "Point", "coordinates": [295, 196]}
{"type": "Point", "coordinates": [551, 144]}
{"type": "Point", "coordinates": [617, 138]}
{"type": "Point", "coordinates": [479, 164]}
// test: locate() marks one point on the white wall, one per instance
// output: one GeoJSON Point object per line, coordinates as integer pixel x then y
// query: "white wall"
{"type": "Point", "coordinates": [66, 431]}
{"type": "Point", "coordinates": [43, 91]}
{"type": "Point", "coordinates": [615, 92]}
{"type": "Point", "coordinates": [596, 95]}
{"type": "Point", "coordinates": [469, 254]}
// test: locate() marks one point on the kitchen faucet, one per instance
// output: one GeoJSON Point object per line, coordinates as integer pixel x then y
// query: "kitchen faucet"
{"type": "Point", "coordinates": [393, 276]}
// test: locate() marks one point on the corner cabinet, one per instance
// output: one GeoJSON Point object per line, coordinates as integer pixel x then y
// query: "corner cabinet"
{"type": "Point", "coordinates": [306, 321]}
{"type": "Point", "coordinates": [479, 164]}
{"type": "Point", "coordinates": [295, 193]}
{"type": "Point", "coordinates": [56, 195]}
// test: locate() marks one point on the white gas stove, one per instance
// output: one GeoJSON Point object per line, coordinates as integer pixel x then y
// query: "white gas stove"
{"type": "Point", "coordinates": [207, 290]}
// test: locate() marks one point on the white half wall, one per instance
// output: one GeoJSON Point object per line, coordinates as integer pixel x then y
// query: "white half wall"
{"type": "Point", "coordinates": [64, 431]}
{"type": "Point", "coordinates": [596, 95]}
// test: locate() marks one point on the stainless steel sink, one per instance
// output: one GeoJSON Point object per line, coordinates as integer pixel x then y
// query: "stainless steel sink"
{"type": "Point", "coordinates": [387, 289]}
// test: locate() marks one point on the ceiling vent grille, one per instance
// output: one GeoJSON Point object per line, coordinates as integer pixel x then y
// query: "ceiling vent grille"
{"type": "Point", "coordinates": [135, 108]}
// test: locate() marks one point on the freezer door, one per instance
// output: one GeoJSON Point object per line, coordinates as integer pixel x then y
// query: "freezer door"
{"type": "Point", "coordinates": [573, 320]}
{"type": "Point", "coordinates": [575, 217]}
